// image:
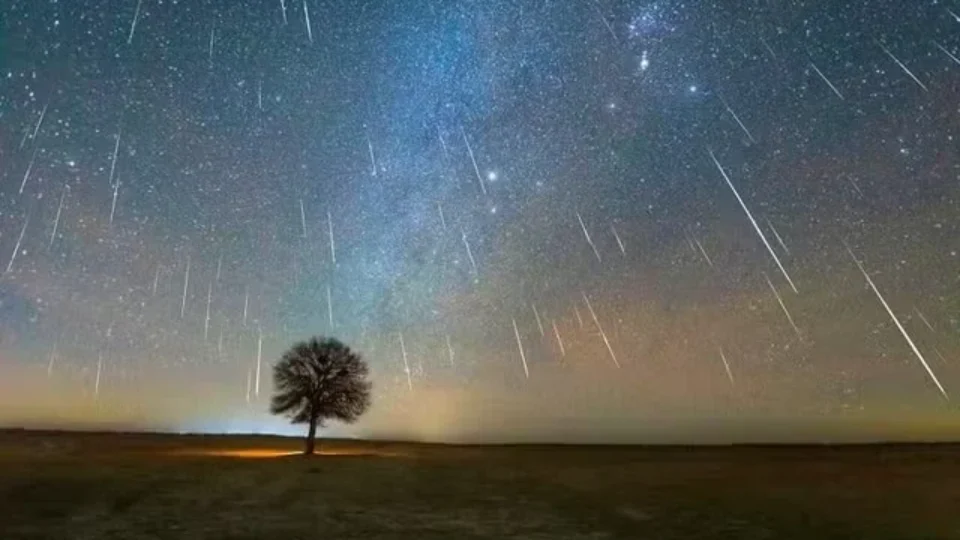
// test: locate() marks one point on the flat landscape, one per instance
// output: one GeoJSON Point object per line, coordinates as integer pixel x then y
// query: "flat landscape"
{"type": "Point", "coordinates": [131, 486]}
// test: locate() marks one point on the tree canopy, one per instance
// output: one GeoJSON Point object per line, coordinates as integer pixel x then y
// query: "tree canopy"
{"type": "Point", "coordinates": [320, 379]}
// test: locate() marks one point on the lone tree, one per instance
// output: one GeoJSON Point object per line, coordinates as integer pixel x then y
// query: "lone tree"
{"type": "Point", "coordinates": [317, 380]}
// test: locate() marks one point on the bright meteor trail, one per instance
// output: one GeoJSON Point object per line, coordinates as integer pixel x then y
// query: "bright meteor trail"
{"type": "Point", "coordinates": [896, 321]}
{"type": "Point", "coordinates": [753, 222]}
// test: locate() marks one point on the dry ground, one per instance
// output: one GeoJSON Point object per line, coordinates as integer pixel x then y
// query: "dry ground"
{"type": "Point", "coordinates": [76, 486]}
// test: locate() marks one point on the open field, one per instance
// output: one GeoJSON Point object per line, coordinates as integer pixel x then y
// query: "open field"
{"type": "Point", "coordinates": [78, 486]}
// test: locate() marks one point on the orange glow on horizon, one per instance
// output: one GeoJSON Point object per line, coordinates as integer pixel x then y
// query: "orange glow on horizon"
{"type": "Point", "coordinates": [266, 453]}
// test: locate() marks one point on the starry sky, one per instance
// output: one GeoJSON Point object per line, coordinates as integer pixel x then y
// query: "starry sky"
{"type": "Point", "coordinates": [542, 220]}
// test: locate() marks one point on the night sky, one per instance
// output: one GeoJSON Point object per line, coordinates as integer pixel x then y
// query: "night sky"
{"type": "Point", "coordinates": [603, 220]}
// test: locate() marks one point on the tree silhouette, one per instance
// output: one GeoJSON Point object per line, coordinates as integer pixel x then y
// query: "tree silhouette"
{"type": "Point", "coordinates": [317, 380]}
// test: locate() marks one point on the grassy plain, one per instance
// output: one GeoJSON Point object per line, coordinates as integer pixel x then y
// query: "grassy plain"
{"type": "Point", "coordinates": [138, 486]}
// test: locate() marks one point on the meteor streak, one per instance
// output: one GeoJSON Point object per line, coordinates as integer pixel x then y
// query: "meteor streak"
{"type": "Point", "coordinates": [53, 357]}
{"type": "Point", "coordinates": [306, 17]}
{"type": "Point", "coordinates": [213, 30]}
{"type": "Point", "coordinates": [246, 301]}
{"type": "Point", "coordinates": [26, 175]}
{"type": "Point", "coordinates": [186, 284]}
{"type": "Point", "coordinates": [256, 384]}
{"type": "Point", "coordinates": [948, 53]}
{"type": "Point", "coordinates": [466, 243]}
{"type": "Point", "coordinates": [330, 307]}
{"type": "Point", "coordinates": [443, 220]}
{"type": "Point", "coordinates": [536, 315]}
{"type": "Point", "coordinates": [523, 356]}
{"type": "Point", "coordinates": [753, 221]}
{"type": "Point", "coordinates": [703, 252]}
{"type": "Point", "coordinates": [56, 220]}
{"type": "Point", "coordinates": [16, 248]}
{"type": "Point", "coordinates": [96, 384]}
{"type": "Point", "coordinates": [206, 319]}
{"type": "Point", "coordinates": [473, 160]}
{"type": "Point", "coordinates": [783, 306]}
{"type": "Point", "coordinates": [373, 159]}
{"type": "Point", "coordinates": [826, 80]}
{"type": "Point", "coordinates": [777, 236]}
{"type": "Point", "coordinates": [556, 332]}
{"type": "Point", "coordinates": [903, 67]}
{"type": "Point", "coordinates": [116, 151]}
{"type": "Point", "coordinates": [606, 23]}
{"type": "Point", "coordinates": [603, 334]}
{"type": "Point", "coordinates": [619, 241]}
{"type": "Point", "coordinates": [924, 319]}
{"type": "Point", "coordinates": [726, 365]}
{"type": "Point", "coordinates": [133, 25]}
{"type": "Point", "coordinates": [406, 363]}
{"type": "Point", "coordinates": [587, 236]}
{"type": "Point", "coordinates": [737, 118]}
{"type": "Point", "coordinates": [113, 204]}
{"type": "Point", "coordinates": [36, 129]}
{"type": "Point", "coordinates": [303, 219]}
{"type": "Point", "coordinates": [449, 350]}
{"type": "Point", "coordinates": [896, 321]}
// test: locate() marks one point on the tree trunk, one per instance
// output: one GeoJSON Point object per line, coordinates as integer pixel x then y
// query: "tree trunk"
{"type": "Point", "coordinates": [311, 436]}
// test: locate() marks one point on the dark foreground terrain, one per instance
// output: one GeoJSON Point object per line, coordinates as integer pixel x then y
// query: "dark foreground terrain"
{"type": "Point", "coordinates": [76, 486]}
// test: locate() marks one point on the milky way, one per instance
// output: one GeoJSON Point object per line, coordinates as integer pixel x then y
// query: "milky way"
{"type": "Point", "coordinates": [598, 220]}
